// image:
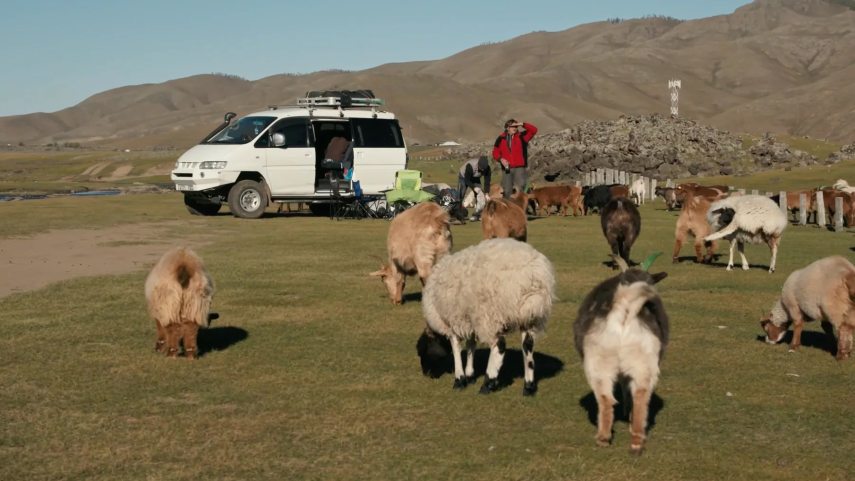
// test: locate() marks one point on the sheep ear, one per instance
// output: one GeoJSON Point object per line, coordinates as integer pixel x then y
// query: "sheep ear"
{"type": "Point", "coordinates": [649, 261]}
{"type": "Point", "coordinates": [620, 262]}
{"type": "Point", "coordinates": [658, 276]}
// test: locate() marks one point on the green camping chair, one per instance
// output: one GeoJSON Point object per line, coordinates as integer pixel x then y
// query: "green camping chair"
{"type": "Point", "coordinates": [408, 184]}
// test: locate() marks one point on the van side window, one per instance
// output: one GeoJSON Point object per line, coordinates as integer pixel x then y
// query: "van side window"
{"type": "Point", "coordinates": [295, 130]}
{"type": "Point", "coordinates": [377, 133]}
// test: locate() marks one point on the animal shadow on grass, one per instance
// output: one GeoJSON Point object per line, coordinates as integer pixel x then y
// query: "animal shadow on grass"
{"type": "Point", "coordinates": [825, 340]}
{"type": "Point", "coordinates": [737, 265]}
{"type": "Point", "coordinates": [693, 259]}
{"type": "Point", "coordinates": [622, 409]}
{"type": "Point", "coordinates": [436, 359]}
{"type": "Point", "coordinates": [411, 297]}
{"type": "Point", "coordinates": [219, 338]}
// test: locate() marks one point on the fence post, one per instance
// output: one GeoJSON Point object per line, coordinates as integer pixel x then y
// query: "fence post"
{"type": "Point", "coordinates": [755, 192]}
{"type": "Point", "coordinates": [652, 192]}
{"type": "Point", "coordinates": [802, 209]}
{"type": "Point", "coordinates": [782, 202]}
{"type": "Point", "coordinates": [838, 214]}
{"type": "Point", "coordinates": [669, 183]}
{"type": "Point", "coordinates": [820, 209]}
{"type": "Point", "coordinates": [741, 191]}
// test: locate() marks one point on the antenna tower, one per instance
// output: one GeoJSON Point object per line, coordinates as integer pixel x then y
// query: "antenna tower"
{"type": "Point", "coordinates": [674, 86]}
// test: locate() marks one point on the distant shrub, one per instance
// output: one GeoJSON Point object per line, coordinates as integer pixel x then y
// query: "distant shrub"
{"type": "Point", "coordinates": [614, 20]}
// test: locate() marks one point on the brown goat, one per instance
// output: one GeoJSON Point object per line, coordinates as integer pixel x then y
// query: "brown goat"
{"type": "Point", "coordinates": [693, 221]}
{"type": "Point", "coordinates": [505, 218]}
{"type": "Point", "coordinates": [178, 293]}
{"type": "Point", "coordinates": [418, 238]}
{"type": "Point", "coordinates": [621, 224]}
{"type": "Point", "coordinates": [619, 191]}
{"type": "Point", "coordinates": [561, 196]}
{"type": "Point", "coordinates": [712, 193]}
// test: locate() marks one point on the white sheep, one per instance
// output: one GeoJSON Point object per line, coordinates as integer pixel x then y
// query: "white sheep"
{"type": "Point", "coordinates": [825, 289]}
{"type": "Point", "coordinates": [747, 218]}
{"type": "Point", "coordinates": [621, 332]}
{"type": "Point", "coordinates": [483, 292]}
{"type": "Point", "coordinates": [178, 292]}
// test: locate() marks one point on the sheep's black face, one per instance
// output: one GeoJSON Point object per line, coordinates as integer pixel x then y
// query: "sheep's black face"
{"type": "Point", "coordinates": [433, 350]}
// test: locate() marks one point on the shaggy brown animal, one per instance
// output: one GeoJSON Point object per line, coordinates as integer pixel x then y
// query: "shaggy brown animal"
{"type": "Point", "coordinates": [560, 196]}
{"type": "Point", "coordinates": [505, 218]}
{"type": "Point", "coordinates": [794, 202]}
{"type": "Point", "coordinates": [712, 193]}
{"type": "Point", "coordinates": [178, 291]}
{"type": "Point", "coordinates": [418, 238]}
{"type": "Point", "coordinates": [828, 196]}
{"type": "Point", "coordinates": [621, 223]}
{"type": "Point", "coordinates": [693, 221]}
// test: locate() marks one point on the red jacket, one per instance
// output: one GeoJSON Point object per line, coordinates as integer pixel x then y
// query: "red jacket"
{"type": "Point", "coordinates": [517, 152]}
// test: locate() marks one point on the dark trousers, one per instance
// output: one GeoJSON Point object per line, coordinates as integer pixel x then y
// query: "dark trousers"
{"type": "Point", "coordinates": [515, 177]}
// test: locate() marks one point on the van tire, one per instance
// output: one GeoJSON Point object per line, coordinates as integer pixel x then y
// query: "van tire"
{"type": "Point", "coordinates": [247, 199]}
{"type": "Point", "coordinates": [201, 208]}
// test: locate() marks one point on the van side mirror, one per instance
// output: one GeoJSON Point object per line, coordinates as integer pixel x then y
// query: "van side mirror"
{"type": "Point", "coordinates": [278, 139]}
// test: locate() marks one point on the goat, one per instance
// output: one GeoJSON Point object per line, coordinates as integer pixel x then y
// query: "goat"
{"type": "Point", "coordinates": [638, 190]}
{"type": "Point", "coordinates": [693, 221]}
{"type": "Point", "coordinates": [505, 218]}
{"type": "Point", "coordinates": [598, 196]}
{"type": "Point", "coordinates": [825, 289]}
{"type": "Point", "coordinates": [828, 196]}
{"type": "Point", "coordinates": [561, 196]}
{"type": "Point", "coordinates": [418, 238]}
{"type": "Point", "coordinates": [669, 195]}
{"type": "Point", "coordinates": [178, 293]}
{"type": "Point", "coordinates": [460, 307]}
{"type": "Point", "coordinates": [794, 202]}
{"type": "Point", "coordinates": [621, 332]}
{"type": "Point", "coordinates": [621, 223]}
{"type": "Point", "coordinates": [747, 218]}
{"type": "Point", "coordinates": [843, 186]}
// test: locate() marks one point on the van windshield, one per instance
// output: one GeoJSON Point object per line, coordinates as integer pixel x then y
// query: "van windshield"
{"type": "Point", "coordinates": [242, 131]}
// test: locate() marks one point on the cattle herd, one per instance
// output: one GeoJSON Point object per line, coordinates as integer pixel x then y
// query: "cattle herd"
{"type": "Point", "coordinates": [502, 284]}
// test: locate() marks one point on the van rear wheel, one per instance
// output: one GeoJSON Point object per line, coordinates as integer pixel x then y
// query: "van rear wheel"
{"type": "Point", "coordinates": [247, 199]}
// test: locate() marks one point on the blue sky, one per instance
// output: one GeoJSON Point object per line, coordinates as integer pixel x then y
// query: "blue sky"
{"type": "Point", "coordinates": [57, 53]}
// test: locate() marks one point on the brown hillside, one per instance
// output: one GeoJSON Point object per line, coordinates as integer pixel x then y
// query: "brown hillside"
{"type": "Point", "coordinates": [781, 66]}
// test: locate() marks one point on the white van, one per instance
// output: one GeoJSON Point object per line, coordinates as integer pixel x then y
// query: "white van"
{"type": "Point", "coordinates": [278, 155]}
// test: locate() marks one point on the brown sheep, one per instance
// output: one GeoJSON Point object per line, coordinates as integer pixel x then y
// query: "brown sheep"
{"type": "Point", "coordinates": [505, 218]}
{"type": "Point", "coordinates": [418, 238]}
{"type": "Point", "coordinates": [178, 292]}
{"type": "Point", "coordinates": [693, 221]}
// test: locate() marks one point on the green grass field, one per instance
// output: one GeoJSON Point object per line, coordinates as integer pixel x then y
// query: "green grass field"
{"type": "Point", "coordinates": [310, 373]}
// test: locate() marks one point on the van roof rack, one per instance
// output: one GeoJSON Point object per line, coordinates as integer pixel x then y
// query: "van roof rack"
{"type": "Point", "coordinates": [340, 98]}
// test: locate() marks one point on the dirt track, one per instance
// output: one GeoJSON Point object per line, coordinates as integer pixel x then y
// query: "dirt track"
{"type": "Point", "coordinates": [30, 263]}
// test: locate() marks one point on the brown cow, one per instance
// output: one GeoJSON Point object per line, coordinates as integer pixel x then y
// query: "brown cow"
{"type": "Point", "coordinates": [560, 196]}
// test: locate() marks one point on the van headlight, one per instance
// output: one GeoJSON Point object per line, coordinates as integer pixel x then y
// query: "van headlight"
{"type": "Point", "coordinates": [211, 164]}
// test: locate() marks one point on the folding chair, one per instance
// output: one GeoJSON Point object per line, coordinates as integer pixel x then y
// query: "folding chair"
{"type": "Point", "coordinates": [407, 191]}
{"type": "Point", "coordinates": [354, 207]}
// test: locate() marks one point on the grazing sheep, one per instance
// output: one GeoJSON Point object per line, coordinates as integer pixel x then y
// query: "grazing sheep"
{"type": "Point", "coordinates": [483, 292]}
{"type": "Point", "coordinates": [824, 290]}
{"type": "Point", "coordinates": [505, 218]}
{"type": "Point", "coordinates": [621, 223]}
{"type": "Point", "coordinates": [178, 292]}
{"type": "Point", "coordinates": [693, 221]}
{"type": "Point", "coordinates": [418, 238]}
{"type": "Point", "coordinates": [747, 218]}
{"type": "Point", "coordinates": [621, 332]}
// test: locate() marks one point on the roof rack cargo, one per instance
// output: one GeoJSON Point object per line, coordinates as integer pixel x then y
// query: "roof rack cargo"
{"type": "Point", "coordinates": [340, 98]}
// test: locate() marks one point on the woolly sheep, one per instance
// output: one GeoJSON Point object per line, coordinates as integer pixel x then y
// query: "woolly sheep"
{"type": "Point", "coordinates": [621, 332]}
{"type": "Point", "coordinates": [178, 292]}
{"type": "Point", "coordinates": [747, 218]}
{"type": "Point", "coordinates": [418, 237]}
{"type": "Point", "coordinates": [825, 289]}
{"type": "Point", "coordinates": [483, 292]}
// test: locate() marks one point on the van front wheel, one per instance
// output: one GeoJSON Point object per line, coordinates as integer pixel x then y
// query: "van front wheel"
{"type": "Point", "coordinates": [247, 199]}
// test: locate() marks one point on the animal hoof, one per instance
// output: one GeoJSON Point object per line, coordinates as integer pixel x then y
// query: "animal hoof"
{"type": "Point", "coordinates": [469, 380]}
{"type": "Point", "coordinates": [489, 386]}
{"type": "Point", "coordinates": [745, 268]}
{"type": "Point", "coordinates": [603, 442]}
{"type": "Point", "coordinates": [674, 260]}
{"type": "Point", "coordinates": [636, 449]}
{"type": "Point", "coordinates": [729, 267]}
{"type": "Point", "coordinates": [459, 383]}
{"type": "Point", "coordinates": [529, 389]}
{"type": "Point", "coordinates": [159, 346]}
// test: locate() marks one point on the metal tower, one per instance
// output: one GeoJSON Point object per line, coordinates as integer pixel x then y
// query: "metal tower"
{"type": "Point", "coordinates": [674, 86]}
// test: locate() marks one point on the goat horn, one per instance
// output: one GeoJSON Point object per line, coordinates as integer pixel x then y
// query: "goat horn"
{"type": "Point", "coordinates": [620, 262]}
{"type": "Point", "coordinates": [649, 261]}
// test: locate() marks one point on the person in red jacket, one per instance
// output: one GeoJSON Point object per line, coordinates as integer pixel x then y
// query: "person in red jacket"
{"type": "Point", "coordinates": [511, 151]}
